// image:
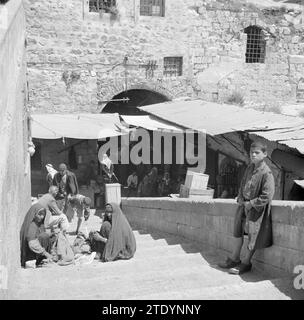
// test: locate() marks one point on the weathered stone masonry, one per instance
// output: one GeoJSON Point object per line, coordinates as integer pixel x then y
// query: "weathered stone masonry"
{"type": "Point", "coordinates": [211, 222]}
{"type": "Point", "coordinates": [209, 35]}
{"type": "Point", "coordinates": [14, 160]}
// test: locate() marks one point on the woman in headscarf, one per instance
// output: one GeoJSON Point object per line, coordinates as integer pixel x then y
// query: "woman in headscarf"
{"type": "Point", "coordinates": [35, 242]}
{"type": "Point", "coordinates": [115, 240]}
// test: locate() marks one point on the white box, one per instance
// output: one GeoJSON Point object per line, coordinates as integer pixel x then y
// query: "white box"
{"type": "Point", "coordinates": [196, 180]}
{"type": "Point", "coordinates": [113, 193]}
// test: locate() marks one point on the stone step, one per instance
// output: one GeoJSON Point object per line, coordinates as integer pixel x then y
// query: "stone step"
{"type": "Point", "coordinates": [164, 267]}
{"type": "Point", "coordinates": [166, 250]}
{"type": "Point", "coordinates": [114, 285]}
{"type": "Point", "coordinates": [171, 259]}
{"type": "Point", "coordinates": [277, 289]}
{"type": "Point", "coordinates": [118, 267]}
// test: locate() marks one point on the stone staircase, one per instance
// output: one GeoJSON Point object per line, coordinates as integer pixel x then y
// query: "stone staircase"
{"type": "Point", "coordinates": [164, 267]}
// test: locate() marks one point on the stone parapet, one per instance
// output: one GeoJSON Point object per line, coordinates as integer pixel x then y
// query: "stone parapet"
{"type": "Point", "coordinates": [212, 222]}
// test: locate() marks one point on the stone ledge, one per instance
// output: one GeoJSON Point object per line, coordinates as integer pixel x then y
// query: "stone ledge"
{"type": "Point", "coordinates": [212, 222]}
{"type": "Point", "coordinates": [296, 59]}
{"type": "Point", "coordinates": [286, 212]}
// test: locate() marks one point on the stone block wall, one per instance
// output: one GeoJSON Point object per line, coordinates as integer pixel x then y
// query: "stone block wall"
{"type": "Point", "coordinates": [14, 160]}
{"type": "Point", "coordinates": [211, 222]}
{"type": "Point", "coordinates": [64, 37]}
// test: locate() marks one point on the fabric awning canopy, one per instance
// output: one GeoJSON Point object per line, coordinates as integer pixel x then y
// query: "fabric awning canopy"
{"type": "Point", "coordinates": [77, 126]}
{"type": "Point", "coordinates": [221, 118]}
{"type": "Point", "coordinates": [299, 183]}
{"type": "Point", "coordinates": [150, 123]}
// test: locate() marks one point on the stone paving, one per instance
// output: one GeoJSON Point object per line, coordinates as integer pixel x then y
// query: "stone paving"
{"type": "Point", "coordinates": [164, 267]}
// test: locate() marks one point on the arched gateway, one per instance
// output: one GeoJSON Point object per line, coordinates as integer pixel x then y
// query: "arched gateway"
{"type": "Point", "coordinates": [137, 98]}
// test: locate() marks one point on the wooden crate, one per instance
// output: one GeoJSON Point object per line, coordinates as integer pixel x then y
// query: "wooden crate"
{"type": "Point", "coordinates": [201, 194]}
{"type": "Point", "coordinates": [196, 180]}
{"type": "Point", "coordinates": [185, 192]}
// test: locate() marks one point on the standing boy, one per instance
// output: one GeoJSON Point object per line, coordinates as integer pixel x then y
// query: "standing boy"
{"type": "Point", "coordinates": [253, 215]}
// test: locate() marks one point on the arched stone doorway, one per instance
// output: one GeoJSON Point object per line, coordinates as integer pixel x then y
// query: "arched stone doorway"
{"type": "Point", "coordinates": [137, 98]}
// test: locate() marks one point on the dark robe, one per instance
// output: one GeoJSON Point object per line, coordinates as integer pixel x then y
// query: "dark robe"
{"type": "Point", "coordinates": [70, 187]}
{"type": "Point", "coordinates": [121, 242]}
{"type": "Point", "coordinates": [260, 193]}
{"type": "Point", "coordinates": [31, 230]}
{"type": "Point", "coordinates": [49, 180]}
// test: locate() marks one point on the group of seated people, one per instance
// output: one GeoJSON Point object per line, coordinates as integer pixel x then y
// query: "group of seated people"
{"type": "Point", "coordinates": [153, 185]}
{"type": "Point", "coordinates": [44, 241]}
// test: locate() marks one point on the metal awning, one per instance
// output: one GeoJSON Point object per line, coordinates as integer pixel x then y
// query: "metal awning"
{"type": "Point", "coordinates": [222, 118]}
{"type": "Point", "coordinates": [77, 126]}
{"type": "Point", "coordinates": [151, 123]}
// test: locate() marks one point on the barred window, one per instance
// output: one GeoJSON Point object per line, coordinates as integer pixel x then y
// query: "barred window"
{"type": "Point", "coordinates": [97, 5]}
{"type": "Point", "coordinates": [173, 66]}
{"type": "Point", "coordinates": [256, 45]}
{"type": "Point", "coordinates": [152, 8]}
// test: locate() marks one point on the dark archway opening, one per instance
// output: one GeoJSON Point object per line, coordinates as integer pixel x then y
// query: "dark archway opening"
{"type": "Point", "coordinates": [137, 98]}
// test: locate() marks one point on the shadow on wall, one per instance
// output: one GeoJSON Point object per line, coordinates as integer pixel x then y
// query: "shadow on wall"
{"type": "Point", "coordinates": [210, 224]}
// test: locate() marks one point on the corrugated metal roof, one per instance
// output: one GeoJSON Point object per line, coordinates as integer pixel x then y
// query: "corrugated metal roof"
{"type": "Point", "coordinates": [222, 118]}
{"type": "Point", "coordinates": [150, 123]}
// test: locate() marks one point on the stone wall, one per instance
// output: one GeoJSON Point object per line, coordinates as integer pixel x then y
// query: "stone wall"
{"type": "Point", "coordinates": [14, 160]}
{"type": "Point", "coordinates": [65, 38]}
{"type": "Point", "coordinates": [212, 222]}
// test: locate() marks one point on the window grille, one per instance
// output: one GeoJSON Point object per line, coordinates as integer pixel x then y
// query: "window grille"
{"type": "Point", "coordinates": [173, 66]}
{"type": "Point", "coordinates": [152, 8]}
{"type": "Point", "coordinates": [256, 45]}
{"type": "Point", "coordinates": [98, 5]}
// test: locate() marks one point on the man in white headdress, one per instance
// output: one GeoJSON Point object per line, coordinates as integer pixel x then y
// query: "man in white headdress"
{"type": "Point", "coordinates": [51, 173]}
{"type": "Point", "coordinates": [108, 167]}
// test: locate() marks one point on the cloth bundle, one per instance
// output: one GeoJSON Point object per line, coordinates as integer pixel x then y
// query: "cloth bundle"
{"type": "Point", "coordinates": [62, 251]}
{"type": "Point", "coordinates": [81, 244]}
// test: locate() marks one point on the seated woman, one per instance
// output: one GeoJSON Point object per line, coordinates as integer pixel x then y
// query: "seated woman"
{"type": "Point", "coordinates": [35, 242]}
{"type": "Point", "coordinates": [115, 240]}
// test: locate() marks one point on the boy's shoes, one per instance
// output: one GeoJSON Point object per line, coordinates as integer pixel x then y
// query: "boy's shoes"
{"type": "Point", "coordinates": [240, 269]}
{"type": "Point", "coordinates": [229, 263]}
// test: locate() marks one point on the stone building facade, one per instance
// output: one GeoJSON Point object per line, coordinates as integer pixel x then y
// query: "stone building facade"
{"type": "Point", "coordinates": [14, 162]}
{"type": "Point", "coordinates": [235, 51]}
{"type": "Point", "coordinates": [78, 57]}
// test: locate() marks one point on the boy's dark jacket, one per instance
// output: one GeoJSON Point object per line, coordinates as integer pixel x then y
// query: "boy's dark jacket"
{"type": "Point", "coordinates": [261, 193]}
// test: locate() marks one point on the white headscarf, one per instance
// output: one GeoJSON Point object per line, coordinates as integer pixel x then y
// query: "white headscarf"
{"type": "Point", "coordinates": [51, 170]}
{"type": "Point", "coordinates": [106, 161]}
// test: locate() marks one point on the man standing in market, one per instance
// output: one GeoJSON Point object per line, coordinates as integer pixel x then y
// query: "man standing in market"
{"type": "Point", "coordinates": [67, 184]}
